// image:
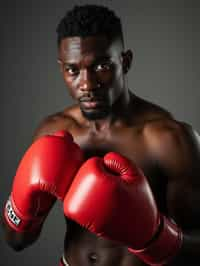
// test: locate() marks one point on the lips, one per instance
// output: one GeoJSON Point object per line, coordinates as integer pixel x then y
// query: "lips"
{"type": "Point", "coordinates": [91, 104]}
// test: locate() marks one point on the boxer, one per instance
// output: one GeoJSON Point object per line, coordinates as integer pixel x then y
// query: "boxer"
{"type": "Point", "coordinates": [108, 117]}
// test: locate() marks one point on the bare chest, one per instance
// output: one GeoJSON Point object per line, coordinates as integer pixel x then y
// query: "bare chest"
{"type": "Point", "coordinates": [84, 248]}
{"type": "Point", "coordinates": [131, 144]}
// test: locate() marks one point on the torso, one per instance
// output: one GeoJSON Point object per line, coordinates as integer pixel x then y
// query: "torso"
{"type": "Point", "coordinates": [129, 139]}
{"type": "Point", "coordinates": [87, 249]}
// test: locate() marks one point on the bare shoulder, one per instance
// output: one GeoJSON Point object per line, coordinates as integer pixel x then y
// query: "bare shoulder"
{"type": "Point", "coordinates": [146, 111]}
{"type": "Point", "coordinates": [164, 130]}
{"type": "Point", "coordinates": [173, 144]}
{"type": "Point", "coordinates": [63, 120]}
{"type": "Point", "coordinates": [160, 127]}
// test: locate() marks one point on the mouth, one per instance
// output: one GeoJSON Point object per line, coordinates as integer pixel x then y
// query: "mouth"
{"type": "Point", "coordinates": [93, 102]}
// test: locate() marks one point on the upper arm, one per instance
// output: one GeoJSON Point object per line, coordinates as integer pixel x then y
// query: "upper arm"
{"type": "Point", "coordinates": [177, 152]}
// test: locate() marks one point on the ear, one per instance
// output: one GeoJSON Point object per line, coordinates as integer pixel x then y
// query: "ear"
{"type": "Point", "coordinates": [127, 58]}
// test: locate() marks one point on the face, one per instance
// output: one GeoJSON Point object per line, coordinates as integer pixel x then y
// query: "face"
{"type": "Point", "coordinates": [92, 70]}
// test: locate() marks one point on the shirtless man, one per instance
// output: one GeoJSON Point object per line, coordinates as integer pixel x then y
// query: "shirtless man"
{"type": "Point", "coordinates": [108, 117]}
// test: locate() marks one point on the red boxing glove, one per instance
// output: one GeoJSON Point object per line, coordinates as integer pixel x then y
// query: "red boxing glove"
{"type": "Point", "coordinates": [112, 198]}
{"type": "Point", "coordinates": [44, 174]}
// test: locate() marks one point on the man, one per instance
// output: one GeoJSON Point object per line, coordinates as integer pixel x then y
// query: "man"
{"type": "Point", "coordinates": [148, 145]}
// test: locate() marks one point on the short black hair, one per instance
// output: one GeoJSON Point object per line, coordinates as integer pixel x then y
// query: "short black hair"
{"type": "Point", "coordinates": [89, 20]}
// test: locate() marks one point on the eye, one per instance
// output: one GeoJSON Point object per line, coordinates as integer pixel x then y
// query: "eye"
{"type": "Point", "coordinates": [105, 66]}
{"type": "Point", "coordinates": [71, 70]}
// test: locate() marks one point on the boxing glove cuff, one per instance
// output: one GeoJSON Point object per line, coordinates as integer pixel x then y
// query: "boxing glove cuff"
{"type": "Point", "coordinates": [164, 247]}
{"type": "Point", "coordinates": [19, 222]}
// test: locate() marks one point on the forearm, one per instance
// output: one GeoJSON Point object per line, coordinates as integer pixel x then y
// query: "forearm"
{"type": "Point", "coordinates": [191, 243]}
{"type": "Point", "coordinates": [172, 247]}
{"type": "Point", "coordinates": [190, 248]}
{"type": "Point", "coordinates": [18, 240]}
{"type": "Point", "coordinates": [43, 176]}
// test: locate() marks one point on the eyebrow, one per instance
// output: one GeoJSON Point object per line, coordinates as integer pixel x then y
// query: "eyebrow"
{"type": "Point", "coordinates": [102, 58]}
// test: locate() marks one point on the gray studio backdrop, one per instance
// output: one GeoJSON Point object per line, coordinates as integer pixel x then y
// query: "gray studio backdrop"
{"type": "Point", "coordinates": [165, 38]}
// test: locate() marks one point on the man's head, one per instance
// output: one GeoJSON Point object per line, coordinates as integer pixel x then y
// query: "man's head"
{"type": "Point", "coordinates": [92, 58]}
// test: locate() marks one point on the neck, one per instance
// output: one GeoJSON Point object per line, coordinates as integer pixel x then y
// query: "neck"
{"type": "Point", "coordinates": [119, 113]}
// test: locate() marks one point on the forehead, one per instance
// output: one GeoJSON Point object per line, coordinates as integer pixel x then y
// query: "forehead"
{"type": "Point", "coordinates": [74, 48]}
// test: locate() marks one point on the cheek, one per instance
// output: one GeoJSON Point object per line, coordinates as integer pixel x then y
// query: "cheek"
{"type": "Point", "coordinates": [104, 77]}
{"type": "Point", "coordinates": [119, 73]}
{"type": "Point", "coordinates": [108, 77]}
{"type": "Point", "coordinates": [71, 86]}
{"type": "Point", "coordinates": [68, 80]}
{"type": "Point", "coordinates": [117, 81]}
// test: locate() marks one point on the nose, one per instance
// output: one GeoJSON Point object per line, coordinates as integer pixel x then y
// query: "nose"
{"type": "Point", "coordinates": [88, 80]}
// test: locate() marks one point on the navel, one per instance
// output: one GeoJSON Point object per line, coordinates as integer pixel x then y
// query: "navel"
{"type": "Point", "coordinates": [93, 257]}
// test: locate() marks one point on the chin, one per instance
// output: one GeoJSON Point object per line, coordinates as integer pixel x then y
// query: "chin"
{"type": "Point", "coordinates": [95, 114]}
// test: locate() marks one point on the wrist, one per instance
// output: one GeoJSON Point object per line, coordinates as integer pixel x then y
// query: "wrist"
{"type": "Point", "coordinates": [19, 221]}
{"type": "Point", "coordinates": [165, 247]}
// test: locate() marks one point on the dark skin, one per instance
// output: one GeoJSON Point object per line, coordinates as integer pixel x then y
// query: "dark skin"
{"type": "Point", "coordinates": [108, 117]}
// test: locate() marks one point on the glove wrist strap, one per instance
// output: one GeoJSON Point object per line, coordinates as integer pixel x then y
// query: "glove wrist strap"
{"type": "Point", "coordinates": [17, 221]}
{"type": "Point", "coordinates": [164, 247]}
